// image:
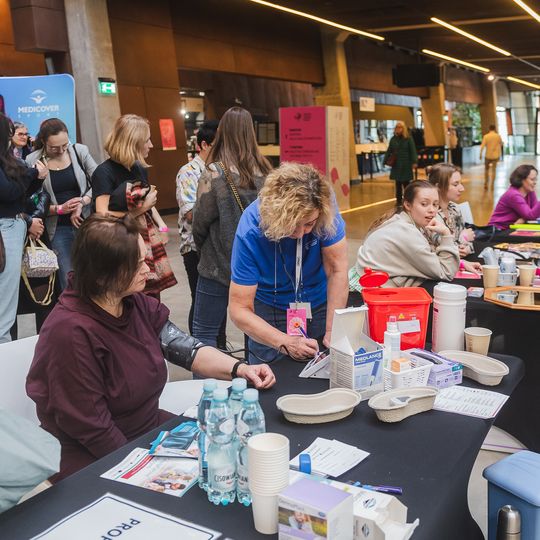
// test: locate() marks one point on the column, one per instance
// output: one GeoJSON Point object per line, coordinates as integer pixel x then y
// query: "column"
{"type": "Point", "coordinates": [433, 112]}
{"type": "Point", "coordinates": [90, 47]}
{"type": "Point", "coordinates": [336, 91]}
{"type": "Point", "coordinates": [488, 107]}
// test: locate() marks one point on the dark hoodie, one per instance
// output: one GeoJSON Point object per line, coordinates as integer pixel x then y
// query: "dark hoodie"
{"type": "Point", "coordinates": [96, 379]}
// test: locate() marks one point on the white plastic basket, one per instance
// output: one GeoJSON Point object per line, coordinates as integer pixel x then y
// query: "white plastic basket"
{"type": "Point", "coordinates": [418, 375]}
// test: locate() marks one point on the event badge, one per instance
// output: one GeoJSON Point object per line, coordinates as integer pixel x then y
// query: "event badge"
{"type": "Point", "coordinates": [296, 318]}
{"type": "Point", "coordinates": [302, 305]}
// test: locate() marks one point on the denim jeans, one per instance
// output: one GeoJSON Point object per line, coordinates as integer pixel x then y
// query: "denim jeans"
{"type": "Point", "coordinates": [61, 244]}
{"type": "Point", "coordinates": [316, 328]}
{"type": "Point", "coordinates": [13, 233]}
{"type": "Point", "coordinates": [210, 311]}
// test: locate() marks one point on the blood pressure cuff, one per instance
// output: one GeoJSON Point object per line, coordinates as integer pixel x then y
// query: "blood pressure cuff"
{"type": "Point", "coordinates": [177, 347]}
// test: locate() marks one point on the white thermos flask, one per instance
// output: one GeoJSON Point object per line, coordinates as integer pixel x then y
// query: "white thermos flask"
{"type": "Point", "coordinates": [449, 307]}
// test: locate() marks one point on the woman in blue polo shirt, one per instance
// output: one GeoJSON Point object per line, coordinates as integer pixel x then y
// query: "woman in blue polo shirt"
{"type": "Point", "coordinates": [289, 255]}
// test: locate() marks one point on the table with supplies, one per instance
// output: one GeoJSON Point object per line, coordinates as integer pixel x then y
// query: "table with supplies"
{"type": "Point", "coordinates": [429, 455]}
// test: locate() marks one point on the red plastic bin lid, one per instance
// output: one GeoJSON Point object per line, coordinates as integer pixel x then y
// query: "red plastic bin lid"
{"type": "Point", "coordinates": [373, 293]}
{"type": "Point", "coordinates": [373, 278]}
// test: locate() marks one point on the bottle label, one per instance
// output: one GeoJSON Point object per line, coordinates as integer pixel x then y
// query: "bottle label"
{"type": "Point", "coordinates": [242, 479]}
{"type": "Point", "coordinates": [227, 427]}
{"type": "Point", "coordinates": [223, 478]}
{"type": "Point", "coordinates": [241, 427]}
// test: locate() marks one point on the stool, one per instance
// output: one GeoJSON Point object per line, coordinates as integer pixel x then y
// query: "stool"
{"type": "Point", "coordinates": [515, 480]}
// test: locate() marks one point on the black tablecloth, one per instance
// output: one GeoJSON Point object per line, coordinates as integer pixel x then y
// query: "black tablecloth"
{"type": "Point", "coordinates": [430, 455]}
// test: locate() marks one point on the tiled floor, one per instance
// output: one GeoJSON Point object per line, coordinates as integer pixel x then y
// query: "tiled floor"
{"type": "Point", "coordinates": [370, 191]}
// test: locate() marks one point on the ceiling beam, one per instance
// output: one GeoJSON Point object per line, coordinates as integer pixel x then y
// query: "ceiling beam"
{"type": "Point", "coordinates": [490, 20]}
{"type": "Point", "coordinates": [505, 58]}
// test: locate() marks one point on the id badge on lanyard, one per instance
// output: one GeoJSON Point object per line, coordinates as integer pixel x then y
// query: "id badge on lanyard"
{"type": "Point", "coordinates": [297, 305]}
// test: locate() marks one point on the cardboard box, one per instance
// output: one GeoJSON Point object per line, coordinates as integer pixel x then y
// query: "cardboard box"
{"type": "Point", "coordinates": [442, 375]}
{"type": "Point", "coordinates": [362, 372]}
{"type": "Point", "coordinates": [309, 509]}
{"type": "Point", "coordinates": [377, 516]}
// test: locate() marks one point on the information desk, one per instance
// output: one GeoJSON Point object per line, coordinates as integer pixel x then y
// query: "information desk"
{"type": "Point", "coordinates": [429, 455]}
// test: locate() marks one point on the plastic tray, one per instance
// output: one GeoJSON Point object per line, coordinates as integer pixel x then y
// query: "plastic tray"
{"type": "Point", "coordinates": [418, 375]}
{"type": "Point", "coordinates": [326, 406]}
{"type": "Point", "coordinates": [419, 399]}
{"type": "Point", "coordinates": [478, 367]}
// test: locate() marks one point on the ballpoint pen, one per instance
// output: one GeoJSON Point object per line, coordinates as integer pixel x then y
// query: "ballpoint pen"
{"type": "Point", "coordinates": [391, 490]}
{"type": "Point", "coordinates": [302, 330]}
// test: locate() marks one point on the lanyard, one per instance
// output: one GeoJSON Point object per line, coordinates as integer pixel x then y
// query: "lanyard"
{"type": "Point", "coordinates": [297, 283]}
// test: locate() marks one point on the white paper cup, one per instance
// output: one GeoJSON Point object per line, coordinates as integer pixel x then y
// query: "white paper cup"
{"type": "Point", "coordinates": [490, 273]}
{"type": "Point", "coordinates": [265, 513]}
{"type": "Point", "coordinates": [269, 443]}
{"type": "Point", "coordinates": [477, 339]}
{"type": "Point", "coordinates": [526, 274]}
{"type": "Point", "coordinates": [525, 298]}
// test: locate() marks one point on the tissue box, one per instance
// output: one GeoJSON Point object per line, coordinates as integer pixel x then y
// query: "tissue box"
{"type": "Point", "coordinates": [360, 371]}
{"type": "Point", "coordinates": [310, 509]}
{"type": "Point", "coordinates": [441, 375]}
{"type": "Point", "coordinates": [377, 516]}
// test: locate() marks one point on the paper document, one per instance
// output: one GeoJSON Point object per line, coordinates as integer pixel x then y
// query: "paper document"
{"type": "Point", "coordinates": [111, 516]}
{"type": "Point", "coordinates": [331, 458]}
{"type": "Point", "coordinates": [173, 476]}
{"type": "Point", "coordinates": [470, 401]}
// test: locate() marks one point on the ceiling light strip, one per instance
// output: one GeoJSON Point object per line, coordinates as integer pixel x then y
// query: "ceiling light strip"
{"type": "Point", "coordinates": [526, 83]}
{"type": "Point", "coordinates": [455, 60]}
{"type": "Point", "coordinates": [318, 19]}
{"type": "Point", "coordinates": [529, 10]}
{"type": "Point", "coordinates": [470, 36]}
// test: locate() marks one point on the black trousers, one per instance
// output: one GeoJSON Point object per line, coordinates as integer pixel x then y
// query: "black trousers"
{"type": "Point", "coordinates": [400, 189]}
{"type": "Point", "coordinates": [191, 261]}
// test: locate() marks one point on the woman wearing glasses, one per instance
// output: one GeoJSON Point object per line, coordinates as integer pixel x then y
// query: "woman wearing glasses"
{"type": "Point", "coordinates": [67, 183]}
{"type": "Point", "coordinates": [20, 142]}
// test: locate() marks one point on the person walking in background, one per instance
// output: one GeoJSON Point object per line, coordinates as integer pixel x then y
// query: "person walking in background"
{"type": "Point", "coordinates": [120, 186]}
{"type": "Point", "coordinates": [69, 167]}
{"type": "Point", "coordinates": [401, 157]}
{"type": "Point", "coordinates": [20, 142]}
{"type": "Point", "coordinates": [15, 180]}
{"type": "Point", "coordinates": [187, 181]}
{"type": "Point", "coordinates": [232, 180]}
{"type": "Point", "coordinates": [492, 146]}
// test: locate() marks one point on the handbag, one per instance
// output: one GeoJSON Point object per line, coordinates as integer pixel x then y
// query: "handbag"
{"type": "Point", "coordinates": [231, 185]}
{"type": "Point", "coordinates": [391, 160]}
{"type": "Point", "coordinates": [484, 233]}
{"type": "Point", "coordinates": [38, 260]}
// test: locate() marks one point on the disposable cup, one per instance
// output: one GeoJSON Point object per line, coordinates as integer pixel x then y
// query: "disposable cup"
{"type": "Point", "coordinates": [490, 273]}
{"type": "Point", "coordinates": [477, 339]}
{"type": "Point", "coordinates": [265, 513]}
{"type": "Point", "coordinates": [269, 443]}
{"type": "Point", "coordinates": [526, 275]}
{"type": "Point", "coordinates": [525, 298]}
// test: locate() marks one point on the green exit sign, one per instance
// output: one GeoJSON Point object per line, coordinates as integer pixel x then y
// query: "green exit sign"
{"type": "Point", "coordinates": [107, 87]}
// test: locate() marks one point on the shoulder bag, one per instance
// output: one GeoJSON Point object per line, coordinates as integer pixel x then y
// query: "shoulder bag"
{"type": "Point", "coordinates": [231, 185]}
{"type": "Point", "coordinates": [39, 261]}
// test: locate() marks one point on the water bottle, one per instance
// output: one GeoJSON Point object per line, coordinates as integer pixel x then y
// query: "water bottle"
{"type": "Point", "coordinates": [202, 440]}
{"type": "Point", "coordinates": [221, 455]}
{"type": "Point", "coordinates": [250, 422]}
{"type": "Point", "coordinates": [235, 399]}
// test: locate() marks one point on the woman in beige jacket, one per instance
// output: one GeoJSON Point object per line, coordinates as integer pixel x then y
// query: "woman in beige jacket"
{"type": "Point", "coordinates": [400, 243]}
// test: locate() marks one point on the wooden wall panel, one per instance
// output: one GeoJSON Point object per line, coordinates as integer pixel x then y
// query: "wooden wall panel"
{"type": "Point", "coordinates": [386, 112]}
{"type": "Point", "coordinates": [462, 85]}
{"type": "Point", "coordinates": [370, 68]}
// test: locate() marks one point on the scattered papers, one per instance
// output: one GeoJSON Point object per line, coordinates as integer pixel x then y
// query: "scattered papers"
{"type": "Point", "coordinates": [165, 475]}
{"type": "Point", "coordinates": [111, 516]}
{"type": "Point", "coordinates": [331, 458]}
{"type": "Point", "coordinates": [191, 412]}
{"type": "Point", "coordinates": [179, 442]}
{"type": "Point", "coordinates": [470, 401]}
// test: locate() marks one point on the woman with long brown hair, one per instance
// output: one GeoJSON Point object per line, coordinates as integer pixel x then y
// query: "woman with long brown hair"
{"type": "Point", "coordinates": [230, 183]}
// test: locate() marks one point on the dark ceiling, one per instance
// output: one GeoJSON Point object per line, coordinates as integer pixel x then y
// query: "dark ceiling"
{"type": "Point", "coordinates": [407, 24]}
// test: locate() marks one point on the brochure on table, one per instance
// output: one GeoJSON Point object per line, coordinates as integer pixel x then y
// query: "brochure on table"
{"type": "Point", "coordinates": [111, 517]}
{"type": "Point", "coordinates": [349, 368]}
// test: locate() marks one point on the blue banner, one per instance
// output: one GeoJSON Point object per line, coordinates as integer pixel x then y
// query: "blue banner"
{"type": "Point", "coordinates": [31, 100]}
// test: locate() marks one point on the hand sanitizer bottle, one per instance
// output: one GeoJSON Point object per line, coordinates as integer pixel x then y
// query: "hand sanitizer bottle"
{"type": "Point", "coordinates": [392, 341]}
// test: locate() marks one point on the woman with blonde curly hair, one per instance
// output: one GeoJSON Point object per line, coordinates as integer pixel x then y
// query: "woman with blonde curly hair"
{"type": "Point", "coordinates": [289, 255]}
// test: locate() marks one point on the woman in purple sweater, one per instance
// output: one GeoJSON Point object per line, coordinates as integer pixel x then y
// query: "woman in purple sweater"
{"type": "Point", "coordinates": [519, 204]}
{"type": "Point", "coordinates": [98, 369]}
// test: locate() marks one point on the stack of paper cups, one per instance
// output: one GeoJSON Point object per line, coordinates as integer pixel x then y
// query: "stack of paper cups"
{"type": "Point", "coordinates": [268, 475]}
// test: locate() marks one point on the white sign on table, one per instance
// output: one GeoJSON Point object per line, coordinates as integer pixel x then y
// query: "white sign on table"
{"type": "Point", "coordinates": [470, 401]}
{"type": "Point", "coordinates": [111, 517]}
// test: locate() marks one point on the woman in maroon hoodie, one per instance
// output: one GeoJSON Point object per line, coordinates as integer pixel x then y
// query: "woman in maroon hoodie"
{"type": "Point", "coordinates": [98, 369]}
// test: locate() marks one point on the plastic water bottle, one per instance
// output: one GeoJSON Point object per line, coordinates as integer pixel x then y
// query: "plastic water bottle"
{"type": "Point", "coordinates": [221, 454]}
{"type": "Point", "coordinates": [235, 399]}
{"type": "Point", "coordinates": [250, 422]}
{"type": "Point", "coordinates": [202, 440]}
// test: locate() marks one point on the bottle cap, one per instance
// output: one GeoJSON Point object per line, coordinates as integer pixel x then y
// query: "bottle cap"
{"type": "Point", "coordinates": [391, 325]}
{"type": "Point", "coordinates": [251, 394]}
{"type": "Point", "coordinates": [209, 385]}
{"type": "Point", "coordinates": [220, 394]}
{"type": "Point", "coordinates": [239, 384]}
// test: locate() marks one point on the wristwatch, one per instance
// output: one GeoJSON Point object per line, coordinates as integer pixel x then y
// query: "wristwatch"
{"type": "Point", "coordinates": [234, 369]}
